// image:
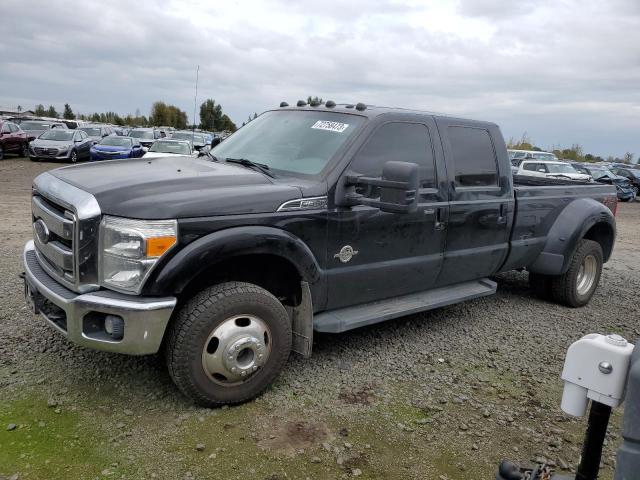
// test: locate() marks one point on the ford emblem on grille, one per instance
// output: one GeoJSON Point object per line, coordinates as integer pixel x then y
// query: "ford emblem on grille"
{"type": "Point", "coordinates": [41, 230]}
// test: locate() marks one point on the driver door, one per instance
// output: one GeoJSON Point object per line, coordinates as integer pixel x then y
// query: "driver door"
{"type": "Point", "coordinates": [372, 254]}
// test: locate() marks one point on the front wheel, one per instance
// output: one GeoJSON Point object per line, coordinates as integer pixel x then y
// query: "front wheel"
{"type": "Point", "coordinates": [576, 287]}
{"type": "Point", "coordinates": [228, 343]}
{"type": "Point", "coordinates": [24, 151]}
{"type": "Point", "coordinates": [73, 157]}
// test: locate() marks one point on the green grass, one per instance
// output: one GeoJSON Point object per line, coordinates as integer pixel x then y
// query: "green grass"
{"type": "Point", "coordinates": [49, 445]}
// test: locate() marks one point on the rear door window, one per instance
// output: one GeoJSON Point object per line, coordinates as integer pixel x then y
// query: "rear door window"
{"type": "Point", "coordinates": [474, 157]}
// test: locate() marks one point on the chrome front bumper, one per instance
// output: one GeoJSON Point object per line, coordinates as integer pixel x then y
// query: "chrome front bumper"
{"type": "Point", "coordinates": [145, 318]}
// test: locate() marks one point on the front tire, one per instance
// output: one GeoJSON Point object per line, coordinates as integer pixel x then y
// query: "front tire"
{"type": "Point", "coordinates": [73, 157]}
{"type": "Point", "coordinates": [228, 343]}
{"type": "Point", "coordinates": [576, 287]}
{"type": "Point", "coordinates": [24, 152]}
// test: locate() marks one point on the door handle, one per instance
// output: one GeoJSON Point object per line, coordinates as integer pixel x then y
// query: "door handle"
{"type": "Point", "coordinates": [439, 223]}
{"type": "Point", "coordinates": [502, 217]}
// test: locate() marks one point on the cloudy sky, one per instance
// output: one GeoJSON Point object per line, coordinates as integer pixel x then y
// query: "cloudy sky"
{"type": "Point", "coordinates": [564, 71]}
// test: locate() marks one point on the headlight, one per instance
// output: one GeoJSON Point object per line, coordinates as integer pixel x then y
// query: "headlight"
{"type": "Point", "coordinates": [63, 149]}
{"type": "Point", "coordinates": [130, 248]}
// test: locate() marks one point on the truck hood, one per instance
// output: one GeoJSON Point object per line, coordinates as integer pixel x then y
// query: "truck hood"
{"type": "Point", "coordinates": [176, 187]}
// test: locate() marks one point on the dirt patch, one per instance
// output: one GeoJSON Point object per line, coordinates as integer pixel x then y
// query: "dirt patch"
{"type": "Point", "coordinates": [364, 395]}
{"type": "Point", "coordinates": [292, 436]}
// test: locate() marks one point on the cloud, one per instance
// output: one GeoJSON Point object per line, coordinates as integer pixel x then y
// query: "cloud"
{"type": "Point", "coordinates": [565, 72]}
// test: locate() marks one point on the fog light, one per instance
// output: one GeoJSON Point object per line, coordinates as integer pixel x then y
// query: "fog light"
{"type": "Point", "coordinates": [114, 326]}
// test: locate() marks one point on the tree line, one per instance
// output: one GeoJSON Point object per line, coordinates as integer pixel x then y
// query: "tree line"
{"type": "Point", "coordinates": [212, 117]}
{"type": "Point", "coordinates": [575, 152]}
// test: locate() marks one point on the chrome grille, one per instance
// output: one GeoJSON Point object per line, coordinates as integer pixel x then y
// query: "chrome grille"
{"type": "Point", "coordinates": [66, 221]}
{"type": "Point", "coordinates": [53, 234]}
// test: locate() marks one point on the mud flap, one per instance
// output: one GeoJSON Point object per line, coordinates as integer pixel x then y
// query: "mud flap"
{"type": "Point", "coordinates": [302, 323]}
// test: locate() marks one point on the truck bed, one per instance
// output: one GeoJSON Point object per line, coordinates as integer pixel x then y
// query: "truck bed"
{"type": "Point", "coordinates": [538, 203]}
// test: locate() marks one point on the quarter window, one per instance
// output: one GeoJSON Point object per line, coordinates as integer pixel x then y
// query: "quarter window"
{"type": "Point", "coordinates": [405, 142]}
{"type": "Point", "coordinates": [473, 156]}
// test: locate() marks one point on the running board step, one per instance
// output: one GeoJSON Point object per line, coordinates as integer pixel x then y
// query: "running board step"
{"type": "Point", "coordinates": [343, 319]}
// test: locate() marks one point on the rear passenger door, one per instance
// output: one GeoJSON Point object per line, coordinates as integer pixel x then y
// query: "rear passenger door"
{"type": "Point", "coordinates": [481, 200]}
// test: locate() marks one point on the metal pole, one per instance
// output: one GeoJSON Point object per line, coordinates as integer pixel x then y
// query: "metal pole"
{"type": "Point", "coordinates": [593, 442]}
{"type": "Point", "coordinates": [195, 102]}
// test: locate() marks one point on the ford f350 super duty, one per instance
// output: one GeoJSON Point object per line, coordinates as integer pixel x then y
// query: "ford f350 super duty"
{"type": "Point", "coordinates": [310, 218]}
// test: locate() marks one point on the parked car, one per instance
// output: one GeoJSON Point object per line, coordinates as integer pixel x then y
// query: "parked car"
{"type": "Point", "coordinates": [114, 147]}
{"type": "Point", "coordinates": [308, 218]}
{"type": "Point", "coordinates": [97, 132]}
{"type": "Point", "coordinates": [146, 136]}
{"type": "Point", "coordinates": [13, 140]}
{"type": "Point", "coordinates": [603, 174]}
{"type": "Point", "coordinates": [517, 156]}
{"type": "Point", "coordinates": [540, 168]}
{"type": "Point", "coordinates": [60, 144]}
{"type": "Point", "coordinates": [197, 139]}
{"type": "Point", "coordinates": [632, 174]}
{"type": "Point", "coordinates": [169, 148]}
{"type": "Point", "coordinates": [35, 128]}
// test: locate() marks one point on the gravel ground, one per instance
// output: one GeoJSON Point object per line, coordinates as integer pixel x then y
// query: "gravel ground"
{"type": "Point", "coordinates": [442, 395]}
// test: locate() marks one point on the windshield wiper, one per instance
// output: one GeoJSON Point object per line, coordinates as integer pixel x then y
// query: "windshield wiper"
{"type": "Point", "coordinates": [261, 167]}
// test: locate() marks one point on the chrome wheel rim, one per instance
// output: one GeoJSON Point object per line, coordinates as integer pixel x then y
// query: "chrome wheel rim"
{"type": "Point", "coordinates": [236, 350]}
{"type": "Point", "coordinates": [74, 157]}
{"type": "Point", "coordinates": [586, 274]}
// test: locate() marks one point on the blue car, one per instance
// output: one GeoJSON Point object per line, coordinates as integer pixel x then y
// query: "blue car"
{"type": "Point", "coordinates": [114, 147]}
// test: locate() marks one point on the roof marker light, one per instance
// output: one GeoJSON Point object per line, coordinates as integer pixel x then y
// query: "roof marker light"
{"type": "Point", "coordinates": [361, 107]}
{"type": "Point", "coordinates": [330, 104]}
{"type": "Point", "coordinates": [283, 104]}
{"type": "Point", "coordinates": [301, 103]}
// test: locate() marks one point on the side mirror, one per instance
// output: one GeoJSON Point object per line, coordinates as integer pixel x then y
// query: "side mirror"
{"type": "Point", "coordinates": [398, 188]}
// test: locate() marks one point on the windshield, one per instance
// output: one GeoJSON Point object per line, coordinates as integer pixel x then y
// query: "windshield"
{"type": "Point", "coordinates": [560, 168]}
{"type": "Point", "coordinates": [58, 135]}
{"type": "Point", "coordinates": [34, 126]}
{"type": "Point", "coordinates": [301, 142]}
{"type": "Point", "coordinates": [116, 142]}
{"type": "Point", "coordinates": [141, 134]}
{"type": "Point", "coordinates": [544, 156]}
{"type": "Point", "coordinates": [180, 148]}
{"type": "Point", "coordinates": [91, 131]}
{"type": "Point", "coordinates": [197, 138]}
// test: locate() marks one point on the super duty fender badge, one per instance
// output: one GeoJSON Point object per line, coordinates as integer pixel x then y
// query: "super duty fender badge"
{"type": "Point", "coordinates": [346, 253]}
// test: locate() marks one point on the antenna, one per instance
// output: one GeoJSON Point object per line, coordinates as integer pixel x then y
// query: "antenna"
{"type": "Point", "coordinates": [195, 101]}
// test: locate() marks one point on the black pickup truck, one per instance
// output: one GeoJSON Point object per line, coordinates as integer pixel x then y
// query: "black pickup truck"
{"type": "Point", "coordinates": [310, 218]}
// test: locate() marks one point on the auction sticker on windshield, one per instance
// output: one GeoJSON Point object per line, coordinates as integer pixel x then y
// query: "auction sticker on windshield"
{"type": "Point", "coordinates": [330, 126]}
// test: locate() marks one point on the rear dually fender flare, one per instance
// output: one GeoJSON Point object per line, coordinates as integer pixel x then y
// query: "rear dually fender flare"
{"type": "Point", "coordinates": [582, 218]}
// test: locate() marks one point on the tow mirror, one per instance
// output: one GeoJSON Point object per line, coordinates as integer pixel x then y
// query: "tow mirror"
{"type": "Point", "coordinates": [398, 188]}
